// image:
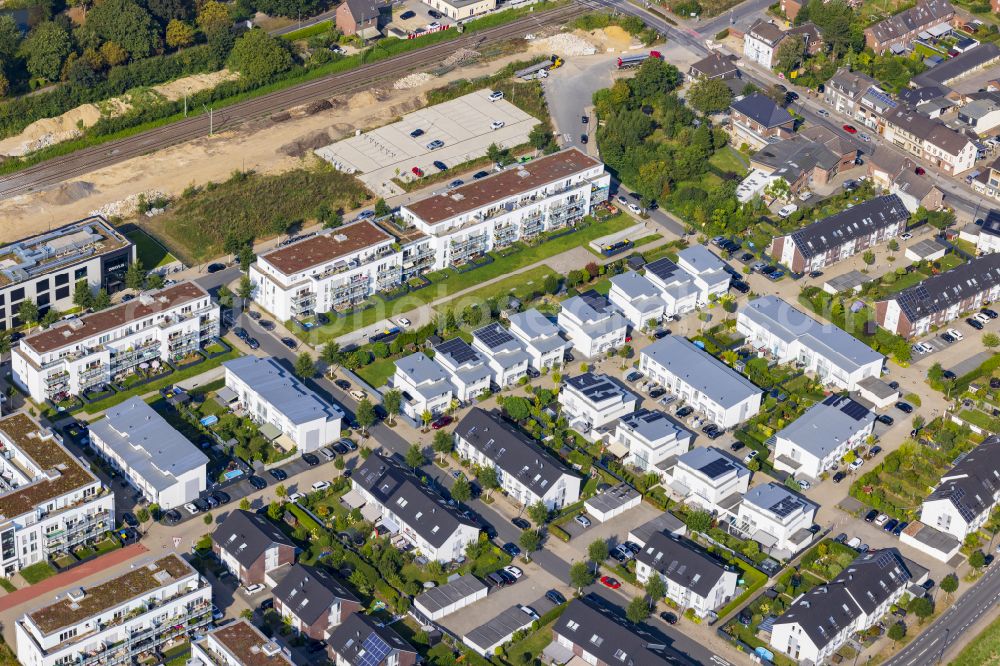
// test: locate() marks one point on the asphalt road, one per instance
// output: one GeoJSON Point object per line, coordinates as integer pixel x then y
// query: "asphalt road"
{"type": "Point", "coordinates": [931, 645]}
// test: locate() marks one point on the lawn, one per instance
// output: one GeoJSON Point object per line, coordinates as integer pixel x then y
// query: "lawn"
{"type": "Point", "coordinates": [378, 372]}
{"type": "Point", "coordinates": [753, 580]}
{"type": "Point", "coordinates": [521, 286]}
{"type": "Point", "coordinates": [906, 281]}
{"type": "Point", "coordinates": [728, 160]}
{"type": "Point", "coordinates": [37, 572]}
{"type": "Point", "coordinates": [950, 261]}
{"type": "Point", "coordinates": [177, 655]}
{"type": "Point", "coordinates": [148, 250]}
{"type": "Point", "coordinates": [309, 31]}
{"type": "Point", "coordinates": [984, 650]}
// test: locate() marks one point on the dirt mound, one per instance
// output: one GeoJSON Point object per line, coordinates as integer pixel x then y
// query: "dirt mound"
{"type": "Point", "coordinates": [127, 207]}
{"type": "Point", "coordinates": [342, 129]}
{"type": "Point", "coordinates": [319, 105]}
{"type": "Point", "coordinates": [67, 193]}
{"type": "Point", "coordinates": [48, 131]}
{"type": "Point", "coordinates": [411, 104]}
{"type": "Point", "coordinates": [191, 84]}
{"type": "Point", "coordinates": [566, 44]}
{"type": "Point", "coordinates": [306, 144]}
{"type": "Point", "coordinates": [414, 80]}
{"type": "Point", "coordinates": [362, 100]}
{"type": "Point", "coordinates": [460, 56]}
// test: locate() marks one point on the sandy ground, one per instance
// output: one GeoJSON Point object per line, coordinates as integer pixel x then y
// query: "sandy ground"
{"type": "Point", "coordinates": [264, 145]}
{"type": "Point", "coordinates": [69, 125]}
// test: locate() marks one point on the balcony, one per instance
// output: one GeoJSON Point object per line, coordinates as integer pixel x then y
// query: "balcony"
{"type": "Point", "coordinates": [389, 278]}
{"type": "Point", "coordinates": [129, 358]}
{"type": "Point", "coordinates": [303, 302]}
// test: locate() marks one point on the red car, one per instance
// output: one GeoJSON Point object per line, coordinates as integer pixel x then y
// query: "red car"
{"type": "Point", "coordinates": [441, 422]}
{"type": "Point", "coordinates": [418, 172]}
{"type": "Point", "coordinates": [628, 338]}
{"type": "Point", "coordinates": [608, 581]}
{"type": "Point", "coordinates": [919, 171]}
{"type": "Point", "coordinates": [850, 129]}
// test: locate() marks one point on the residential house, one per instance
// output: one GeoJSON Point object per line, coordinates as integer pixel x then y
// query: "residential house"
{"type": "Point", "coordinates": [412, 511]}
{"type": "Point", "coordinates": [756, 121]}
{"type": "Point", "coordinates": [822, 620]}
{"type": "Point", "coordinates": [822, 436]}
{"type": "Point", "coordinates": [459, 10]}
{"type": "Point", "coordinates": [238, 643]}
{"type": "Point", "coordinates": [688, 372]}
{"type": "Point", "coordinates": [708, 271]}
{"type": "Point", "coordinates": [592, 324]}
{"type": "Point", "coordinates": [711, 479]}
{"type": "Point", "coordinates": [467, 370]}
{"type": "Point", "coordinates": [592, 400]}
{"type": "Point", "coordinates": [591, 631]}
{"type": "Point", "coordinates": [775, 517]}
{"type": "Point", "coordinates": [694, 579]}
{"type": "Point", "coordinates": [988, 180]}
{"type": "Point", "coordinates": [505, 354]}
{"type": "Point", "coordinates": [844, 90]}
{"type": "Point", "coordinates": [787, 335]}
{"type": "Point", "coordinates": [929, 139]}
{"type": "Point", "coordinates": [541, 337]}
{"type": "Point", "coordinates": [809, 159]}
{"type": "Point", "coordinates": [425, 384]}
{"type": "Point", "coordinates": [899, 176]}
{"type": "Point", "coordinates": [988, 239]}
{"type": "Point", "coordinates": [967, 494]}
{"type": "Point", "coordinates": [760, 42]}
{"type": "Point", "coordinates": [364, 18]}
{"type": "Point", "coordinates": [134, 612]}
{"type": "Point", "coordinates": [715, 66]}
{"type": "Point", "coordinates": [940, 298]}
{"type": "Point", "coordinates": [981, 113]}
{"type": "Point", "coordinates": [637, 298]}
{"type": "Point", "coordinates": [897, 32]}
{"type": "Point", "coordinates": [841, 235]}
{"type": "Point", "coordinates": [525, 471]}
{"type": "Point", "coordinates": [273, 396]}
{"type": "Point", "coordinates": [252, 547]}
{"type": "Point", "coordinates": [150, 454]}
{"type": "Point", "coordinates": [652, 438]}
{"type": "Point", "coordinates": [312, 601]}
{"type": "Point", "coordinates": [677, 287]}
{"type": "Point", "coordinates": [362, 640]}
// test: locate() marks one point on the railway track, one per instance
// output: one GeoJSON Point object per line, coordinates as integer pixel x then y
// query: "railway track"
{"type": "Point", "coordinates": [59, 169]}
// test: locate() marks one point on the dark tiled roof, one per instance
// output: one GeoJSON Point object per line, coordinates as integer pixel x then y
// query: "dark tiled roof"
{"type": "Point", "coordinates": [853, 84]}
{"type": "Point", "coordinates": [861, 220]}
{"type": "Point", "coordinates": [766, 31]}
{"type": "Point", "coordinates": [681, 563]}
{"type": "Point", "coordinates": [361, 636]}
{"type": "Point", "coordinates": [958, 66]}
{"type": "Point", "coordinates": [939, 292]}
{"type": "Point", "coordinates": [715, 65]}
{"type": "Point", "coordinates": [924, 15]}
{"type": "Point", "coordinates": [591, 624]}
{"type": "Point", "coordinates": [991, 223]}
{"type": "Point", "coordinates": [246, 536]}
{"type": "Point", "coordinates": [763, 110]}
{"type": "Point", "coordinates": [972, 484]}
{"type": "Point", "coordinates": [308, 592]}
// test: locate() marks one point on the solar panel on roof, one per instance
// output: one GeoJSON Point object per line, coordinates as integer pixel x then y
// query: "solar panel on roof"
{"type": "Point", "coordinates": [785, 507]}
{"type": "Point", "coordinates": [374, 650]}
{"type": "Point", "coordinates": [458, 349]}
{"type": "Point", "coordinates": [716, 468]}
{"type": "Point", "coordinates": [855, 410]}
{"type": "Point", "coordinates": [494, 336]}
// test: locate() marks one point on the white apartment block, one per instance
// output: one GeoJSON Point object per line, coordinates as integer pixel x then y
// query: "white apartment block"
{"type": "Point", "coordinates": [49, 500]}
{"type": "Point", "coordinates": [161, 462]}
{"type": "Point", "coordinates": [710, 479]}
{"type": "Point", "coordinates": [425, 385]}
{"type": "Point", "coordinates": [592, 324]}
{"type": "Point", "coordinates": [708, 272]}
{"type": "Point", "coordinates": [96, 349]}
{"type": "Point", "coordinates": [541, 338]}
{"type": "Point", "coordinates": [519, 203]}
{"type": "Point", "coordinates": [693, 579]}
{"type": "Point", "coordinates": [787, 335]}
{"type": "Point", "coordinates": [592, 401]}
{"type": "Point", "coordinates": [329, 272]}
{"type": "Point", "coordinates": [652, 439]}
{"type": "Point", "coordinates": [775, 517]}
{"type": "Point", "coordinates": [638, 299]}
{"type": "Point", "coordinates": [817, 440]}
{"type": "Point", "coordinates": [504, 353]}
{"type": "Point", "coordinates": [677, 287]}
{"type": "Point", "coordinates": [467, 370]}
{"type": "Point", "coordinates": [270, 394]}
{"type": "Point", "coordinates": [238, 644]}
{"type": "Point", "coordinates": [122, 620]}
{"type": "Point", "coordinates": [46, 268]}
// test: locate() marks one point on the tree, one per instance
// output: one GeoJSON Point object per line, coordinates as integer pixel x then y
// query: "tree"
{"type": "Point", "coordinates": [597, 551]}
{"type": "Point", "coordinates": [654, 79]}
{"type": "Point", "coordinates": [778, 189]}
{"type": "Point", "coordinates": [868, 257]}
{"type": "Point", "coordinates": [442, 443]}
{"type": "Point", "coordinates": [154, 281]}
{"type": "Point", "coordinates": [392, 400]}
{"type": "Point", "coordinates": [426, 417]}
{"type": "Point", "coordinates": [245, 289]}
{"type": "Point", "coordinates": [488, 480]}
{"type": "Point", "coordinates": [305, 366]}
{"type": "Point", "coordinates": [281, 491]}
{"type": "Point", "coordinates": [922, 607]}
{"type": "Point", "coordinates": [698, 521]}
{"type": "Point", "coordinates": [214, 19]}
{"type": "Point", "coordinates": [539, 513]}
{"type": "Point", "coordinates": [50, 317]}
{"type": "Point", "coordinates": [897, 632]}
{"type": "Point", "coordinates": [517, 408]}
{"type": "Point", "coordinates": [656, 589]}
{"type": "Point", "coordinates": [258, 56]}
{"type": "Point", "coordinates": [179, 34]}
{"type": "Point", "coordinates": [167, 10]}
{"type": "Point", "coordinates": [550, 285]}
{"type": "Point", "coordinates": [977, 560]}
{"type": "Point", "coordinates": [530, 541]}
{"type": "Point", "coordinates": [46, 49]}
{"type": "Point", "coordinates": [461, 491]}
{"type": "Point", "coordinates": [142, 514]}
{"type": "Point", "coordinates": [246, 257]}
{"type": "Point", "coordinates": [28, 313]}
{"type": "Point", "coordinates": [245, 504]}
{"type": "Point", "coordinates": [893, 245]}
{"type": "Point", "coordinates": [135, 277]}
{"type": "Point", "coordinates": [225, 296]}
{"type": "Point", "coordinates": [125, 23]}
{"type": "Point", "coordinates": [497, 154]}
{"type": "Point", "coordinates": [580, 576]}
{"type": "Point", "coordinates": [415, 456]}
{"type": "Point", "coordinates": [991, 340]}
{"type": "Point", "coordinates": [365, 414]}
{"type": "Point", "coordinates": [540, 137]}
{"type": "Point", "coordinates": [382, 209]}
{"type": "Point", "coordinates": [101, 300]}
{"type": "Point", "coordinates": [949, 584]}
{"type": "Point", "coordinates": [637, 610]}
{"type": "Point", "coordinates": [710, 96]}
{"type": "Point", "coordinates": [790, 53]}
{"type": "Point", "coordinates": [331, 354]}
{"type": "Point", "coordinates": [623, 353]}
{"type": "Point", "coordinates": [275, 511]}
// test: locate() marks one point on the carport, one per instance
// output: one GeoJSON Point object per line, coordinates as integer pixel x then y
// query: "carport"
{"type": "Point", "coordinates": [487, 638]}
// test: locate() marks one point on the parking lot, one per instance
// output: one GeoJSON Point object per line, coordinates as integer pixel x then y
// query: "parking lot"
{"type": "Point", "coordinates": [464, 126]}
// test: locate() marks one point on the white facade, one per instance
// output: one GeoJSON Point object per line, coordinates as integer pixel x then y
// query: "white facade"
{"type": "Point", "coordinates": [817, 440]}
{"type": "Point", "coordinates": [270, 394]}
{"type": "Point", "coordinates": [96, 349]}
{"type": "Point", "coordinates": [136, 612]}
{"type": "Point", "coordinates": [592, 324]}
{"type": "Point", "coordinates": [775, 517]}
{"type": "Point", "coordinates": [967, 494]}
{"type": "Point", "coordinates": [593, 401]}
{"type": "Point", "coordinates": [638, 299]}
{"type": "Point", "coordinates": [334, 270]}
{"type": "Point", "coordinates": [425, 385]}
{"type": "Point", "coordinates": [705, 477]}
{"type": "Point", "coordinates": [50, 501]}
{"type": "Point", "coordinates": [677, 287]}
{"type": "Point", "coordinates": [684, 592]}
{"type": "Point", "coordinates": [760, 43]}
{"type": "Point", "coordinates": [652, 439]}
{"type": "Point", "coordinates": [708, 271]}
{"type": "Point", "coordinates": [238, 644]}
{"type": "Point", "coordinates": [466, 368]}
{"type": "Point", "coordinates": [506, 356]}
{"type": "Point", "coordinates": [540, 337]}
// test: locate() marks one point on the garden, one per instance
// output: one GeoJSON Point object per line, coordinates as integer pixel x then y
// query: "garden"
{"type": "Point", "coordinates": [843, 310]}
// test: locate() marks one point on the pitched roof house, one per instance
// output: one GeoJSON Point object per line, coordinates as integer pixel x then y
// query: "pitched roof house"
{"type": "Point", "coordinates": [251, 546]}
{"type": "Point", "coordinates": [314, 601]}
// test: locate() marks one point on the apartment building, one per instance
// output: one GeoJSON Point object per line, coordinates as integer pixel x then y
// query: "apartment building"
{"type": "Point", "coordinates": [897, 32]}
{"type": "Point", "coordinates": [593, 400]}
{"type": "Point", "coordinates": [50, 501]}
{"type": "Point", "coordinates": [841, 235]}
{"type": "Point", "coordinates": [726, 397]}
{"type": "Point", "coordinates": [757, 121]}
{"type": "Point", "coordinates": [467, 370]}
{"type": "Point", "coordinates": [425, 384]}
{"type": "Point", "coordinates": [652, 438]}
{"type": "Point", "coordinates": [845, 89]}
{"type": "Point", "coordinates": [822, 620]}
{"type": "Point", "coordinates": [332, 271]}
{"type": "Point", "coordinates": [708, 272]}
{"type": "Point", "coordinates": [693, 578]}
{"type": "Point", "coordinates": [252, 547]}
{"type": "Point", "coordinates": [988, 180]}
{"type": "Point", "coordinates": [591, 631]}
{"type": "Point", "coordinates": [124, 619]}
{"type": "Point", "coordinates": [237, 644]}
{"type": "Point", "coordinates": [929, 139]}
{"type": "Point", "coordinates": [292, 414]}
{"type": "Point", "coordinates": [541, 338]}
{"type": "Point", "coordinates": [95, 349]}
{"type": "Point", "coordinates": [46, 268]}
{"type": "Point", "coordinates": [519, 203]}
{"type": "Point", "coordinates": [967, 494]}
{"type": "Point", "coordinates": [817, 440]}
{"type": "Point", "coordinates": [592, 324]}
{"type": "Point", "coordinates": [412, 511]}
{"type": "Point", "coordinates": [313, 601]}
{"type": "Point", "coordinates": [150, 454]}
{"type": "Point", "coordinates": [940, 298]}
{"type": "Point", "coordinates": [775, 517]}
{"type": "Point", "coordinates": [760, 42]}
{"type": "Point", "coordinates": [525, 471]}
{"type": "Point", "coordinates": [362, 640]}
{"type": "Point", "coordinates": [774, 328]}
{"type": "Point", "coordinates": [505, 354]}
{"type": "Point", "coordinates": [710, 478]}
{"type": "Point", "coordinates": [638, 299]}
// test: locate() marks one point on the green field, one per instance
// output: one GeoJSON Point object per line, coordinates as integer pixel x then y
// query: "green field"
{"type": "Point", "coordinates": [520, 286]}
{"type": "Point", "coordinates": [984, 650]}
{"type": "Point", "coordinates": [378, 372]}
{"type": "Point", "coordinates": [149, 250]}
{"type": "Point", "coordinates": [310, 31]}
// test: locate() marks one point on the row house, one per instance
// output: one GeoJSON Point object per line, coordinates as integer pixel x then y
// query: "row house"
{"type": "Point", "coordinates": [505, 354]}
{"type": "Point", "coordinates": [691, 282]}
{"type": "Point", "coordinates": [594, 401]}
{"type": "Point", "coordinates": [652, 439]}
{"type": "Point", "coordinates": [988, 180]}
{"type": "Point", "coordinates": [591, 631]}
{"type": "Point", "coordinates": [364, 640]}
{"type": "Point", "coordinates": [313, 601]}
{"type": "Point", "coordinates": [425, 385]}
{"type": "Point", "coordinates": [949, 150]}
{"type": "Point", "coordinates": [693, 578]}
{"type": "Point", "coordinates": [710, 479]}
{"type": "Point", "coordinates": [776, 518]}
{"type": "Point", "coordinates": [592, 324]}
{"type": "Point", "coordinates": [845, 89]}
{"type": "Point", "coordinates": [967, 494]}
{"type": "Point", "coordinates": [252, 548]}
{"type": "Point", "coordinates": [96, 349]}
{"type": "Point", "coordinates": [897, 32]}
{"type": "Point", "coordinates": [467, 371]}
{"type": "Point", "coordinates": [541, 337]}
{"type": "Point", "coordinates": [818, 440]}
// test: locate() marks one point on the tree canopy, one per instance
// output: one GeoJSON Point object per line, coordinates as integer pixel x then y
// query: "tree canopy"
{"type": "Point", "coordinates": [125, 23]}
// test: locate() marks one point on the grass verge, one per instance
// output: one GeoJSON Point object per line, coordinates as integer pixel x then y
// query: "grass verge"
{"type": "Point", "coordinates": [36, 573]}
{"type": "Point", "coordinates": [984, 650]}
{"type": "Point", "coordinates": [149, 251]}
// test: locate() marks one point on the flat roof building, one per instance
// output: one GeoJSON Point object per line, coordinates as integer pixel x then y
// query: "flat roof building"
{"type": "Point", "coordinates": [541, 338]}
{"type": "Point", "coordinates": [594, 400]}
{"type": "Point", "coordinates": [592, 324]}
{"type": "Point", "coordinates": [238, 644]}
{"type": "Point", "coordinates": [817, 440]}
{"type": "Point", "coordinates": [451, 597]}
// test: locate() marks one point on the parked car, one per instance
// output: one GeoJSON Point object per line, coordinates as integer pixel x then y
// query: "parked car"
{"type": "Point", "coordinates": [736, 446]}
{"type": "Point", "coordinates": [750, 456]}
{"type": "Point", "coordinates": [904, 407]}
{"type": "Point", "coordinates": [417, 133]}
{"type": "Point", "coordinates": [456, 183]}
{"type": "Point", "coordinates": [890, 525]}
{"type": "Point", "coordinates": [253, 343]}
{"type": "Point", "coordinates": [839, 476]}
{"type": "Point", "coordinates": [555, 596]}
{"type": "Point", "coordinates": [496, 124]}
{"type": "Point", "coordinates": [990, 313]}
{"type": "Point", "coordinates": [172, 517]}
{"type": "Point", "coordinates": [516, 572]}
{"type": "Point", "coordinates": [221, 497]}
{"type": "Point", "coordinates": [258, 482]}
{"type": "Point", "coordinates": [278, 474]}
{"type": "Point", "coordinates": [871, 516]}
{"type": "Point", "coordinates": [418, 172]}
{"type": "Point", "coordinates": [440, 166]}
{"type": "Point", "coordinates": [684, 411]}
{"type": "Point", "coordinates": [583, 520]}
{"type": "Point", "coordinates": [874, 451]}
{"type": "Point", "coordinates": [253, 589]}
{"type": "Point", "coordinates": [899, 528]}
{"type": "Point", "coordinates": [480, 174]}
{"type": "Point", "coordinates": [441, 422]}
{"type": "Point", "coordinates": [320, 485]}
{"type": "Point", "coordinates": [856, 464]}
{"type": "Point", "coordinates": [608, 581]}
{"type": "Point", "coordinates": [496, 580]}
{"type": "Point", "coordinates": [435, 144]}
{"type": "Point", "coordinates": [850, 129]}
{"type": "Point", "coordinates": [511, 549]}
{"type": "Point", "coordinates": [668, 617]}
{"type": "Point", "coordinates": [633, 376]}
{"type": "Point", "coordinates": [521, 523]}
{"type": "Point", "coordinates": [955, 334]}
{"type": "Point", "coordinates": [310, 459]}
{"type": "Point", "coordinates": [885, 419]}
{"type": "Point", "coordinates": [215, 268]}
{"type": "Point", "coordinates": [288, 342]}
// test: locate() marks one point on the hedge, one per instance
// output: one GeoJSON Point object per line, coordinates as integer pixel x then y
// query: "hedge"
{"type": "Point", "coordinates": [559, 533]}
